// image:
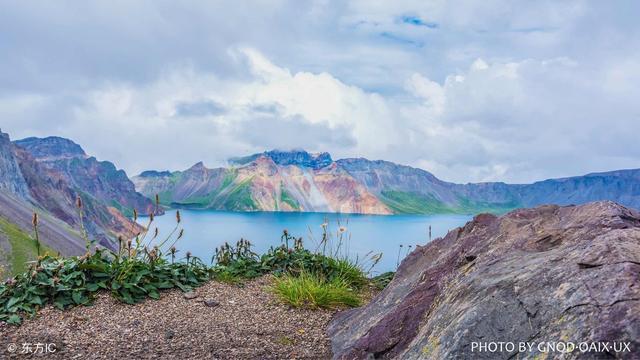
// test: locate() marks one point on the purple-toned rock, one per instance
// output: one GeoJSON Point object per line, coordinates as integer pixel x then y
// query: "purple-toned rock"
{"type": "Point", "coordinates": [29, 184]}
{"type": "Point", "coordinates": [101, 179]}
{"type": "Point", "coordinates": [549, 274]}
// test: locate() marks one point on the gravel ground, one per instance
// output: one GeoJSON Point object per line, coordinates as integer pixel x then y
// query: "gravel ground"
{"type": "Point", "coordinates": [248, 323]}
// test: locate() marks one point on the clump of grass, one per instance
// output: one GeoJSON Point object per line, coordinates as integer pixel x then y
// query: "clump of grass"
{"type": "Point", "coordinates": [313, 291]}
{"type": "Point", "coordinates": [347, 270]}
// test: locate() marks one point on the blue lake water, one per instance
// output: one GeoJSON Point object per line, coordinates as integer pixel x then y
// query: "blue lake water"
{"type": "Point", "coordinates": [362, 234]}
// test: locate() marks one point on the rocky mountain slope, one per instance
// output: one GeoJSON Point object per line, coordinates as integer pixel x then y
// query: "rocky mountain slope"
{"type": "Point", "coordinates": [16, 245]}
{"type": "Point", "coordinates": [274, 181]}
{"type": "Point", "coordinates": [11, 180]}
{"type": "Point", "coordinates": [557, 274]}
{"type": "Point", "coordinates": [100, 179]}
{"type": "Point", "coordinates": [30, 181]}
{"type": "Point", "coordinates": [300, 181]}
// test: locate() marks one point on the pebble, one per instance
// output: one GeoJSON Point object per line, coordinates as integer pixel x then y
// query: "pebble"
{"type": "Point", "coordinates": [190, 295]}
{"type": "Point", "coordinates": [211, 303]}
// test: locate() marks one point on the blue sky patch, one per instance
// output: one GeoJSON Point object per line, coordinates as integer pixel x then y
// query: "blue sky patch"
{"type": "Point", "coordinates": [417, 21]}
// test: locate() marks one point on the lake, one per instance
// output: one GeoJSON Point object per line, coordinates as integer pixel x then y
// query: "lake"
{"type": "Point", "coordinates": [204, 230]}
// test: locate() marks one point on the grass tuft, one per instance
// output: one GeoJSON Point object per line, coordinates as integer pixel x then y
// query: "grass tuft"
{"type": "Point", "coordinates": [312, 291]}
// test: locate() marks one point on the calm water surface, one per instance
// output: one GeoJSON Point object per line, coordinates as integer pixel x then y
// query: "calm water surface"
{"type": "Point", "coordinates": [205, 230]}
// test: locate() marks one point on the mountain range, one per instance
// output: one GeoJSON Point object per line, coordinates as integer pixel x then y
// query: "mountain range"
{"type": "Point", "coordinates": [47, 175]}
{"type": "Point", "coordinates": [301, 181]}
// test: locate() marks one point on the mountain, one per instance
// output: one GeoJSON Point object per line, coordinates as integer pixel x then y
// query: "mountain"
{"type": "Point", "coordinates": [301, 181]}
{"type": "Point", "coordinates": [295, 157]}
{"type": "Point", "coordinates": [99, 179]}
{"type": "Point", "coordinates": [261, 183]}
{"type": "Point", "coordinates": [47, 179]}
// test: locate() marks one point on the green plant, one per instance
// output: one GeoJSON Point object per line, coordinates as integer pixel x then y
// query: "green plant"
{"type": "Point", "coordinates": [66, 282]}
{"type": "Point", "coordinates": [133, 274]}
{"type": "Point", "coordinates": [314, 291]}
{"type": "Point", "coordinates": [381, 281]}
{"type": "Point", "coordinates": [35, 232]}
{"type": "Point", "coordinates": [347, 270]}
{"type": "Point", "coordinates": [235, 263]}
{"type": "Point", "coordinates": [83, 231]}
{"type": "Point", "coordinates": [290, 256]}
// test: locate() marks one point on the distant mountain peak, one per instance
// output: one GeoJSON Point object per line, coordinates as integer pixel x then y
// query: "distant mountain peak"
{"type": "Point", "coordinates": [197, 166]}
{"type": "Point", "coordinates": [295, 157]}
{"type": "Point", "coordinates": [52, 147]}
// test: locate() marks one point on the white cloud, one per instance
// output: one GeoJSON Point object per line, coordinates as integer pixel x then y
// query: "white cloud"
{"type": "Point", "coordinates": [273, 108]}
{"type": "Point", "coordinates": [472, 91]}
{"type": "Point", "coordinates": [516, 120]}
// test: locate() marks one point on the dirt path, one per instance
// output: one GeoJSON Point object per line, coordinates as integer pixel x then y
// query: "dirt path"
{"type": "Point", "coordinates": [247, 323]}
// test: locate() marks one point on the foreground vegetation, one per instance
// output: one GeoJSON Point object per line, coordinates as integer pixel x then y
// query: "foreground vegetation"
{"type": "Point", "coordinates": [309, 290]}
{"type": "Point", "coordinates": [324, 278]}
{"type": "Point", "coordinates": [147, 264]}
{"type": "Point", "coordinates": [22, 248]}
{"type": "Point", "coordinates": [133, 273]}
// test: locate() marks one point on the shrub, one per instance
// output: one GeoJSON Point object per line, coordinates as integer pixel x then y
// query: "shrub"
{"type": "Point", "coordinates": [314, 291]}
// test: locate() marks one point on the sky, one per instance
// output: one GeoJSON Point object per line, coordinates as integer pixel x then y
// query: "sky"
{"type": "Point", "coordinates": [491, 90]}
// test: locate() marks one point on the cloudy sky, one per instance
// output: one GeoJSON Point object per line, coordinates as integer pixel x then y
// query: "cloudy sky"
{"type": "Point", "coordinates": [469, 90]}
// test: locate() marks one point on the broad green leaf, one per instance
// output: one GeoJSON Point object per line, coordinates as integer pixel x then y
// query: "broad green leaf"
{"type": "Point", "coordinates": [14, 320]}
{"type": "Point", "coordinates": [77, 297]}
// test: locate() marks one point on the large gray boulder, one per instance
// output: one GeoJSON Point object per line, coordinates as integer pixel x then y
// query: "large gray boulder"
{"type": "Point", "coordinates": [551, 274]}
